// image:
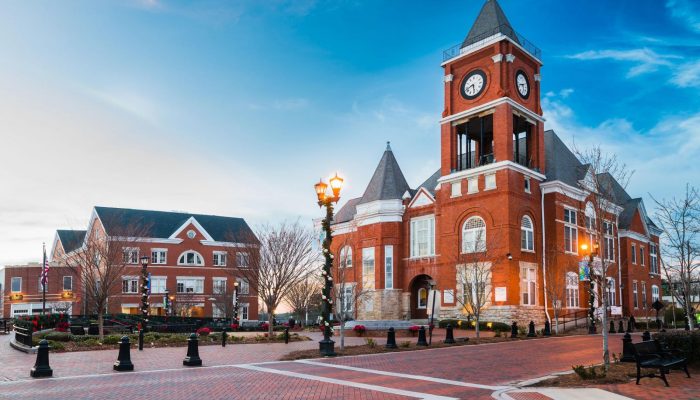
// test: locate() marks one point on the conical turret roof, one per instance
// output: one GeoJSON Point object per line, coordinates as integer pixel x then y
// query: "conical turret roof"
{"type": "Point", "coordinates": [388, 182]}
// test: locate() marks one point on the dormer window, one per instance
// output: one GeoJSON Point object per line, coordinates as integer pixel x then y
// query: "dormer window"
{"type": "Point", "coordinates": [190, 257]}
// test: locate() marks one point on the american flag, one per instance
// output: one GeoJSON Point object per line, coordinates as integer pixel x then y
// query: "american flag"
{"type": "Point", "coordinates": [45, 270]}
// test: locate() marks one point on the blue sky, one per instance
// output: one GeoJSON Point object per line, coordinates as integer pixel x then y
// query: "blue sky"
{"type": "Point", "coordinates": [237, 108]}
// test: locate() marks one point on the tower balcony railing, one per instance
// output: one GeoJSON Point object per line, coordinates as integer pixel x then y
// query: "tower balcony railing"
{"type": "Point", "coordinates": [481, 38]}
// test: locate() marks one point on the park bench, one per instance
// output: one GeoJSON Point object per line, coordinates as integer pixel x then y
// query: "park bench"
{"type": "Point", "coordinates": [651, 355]}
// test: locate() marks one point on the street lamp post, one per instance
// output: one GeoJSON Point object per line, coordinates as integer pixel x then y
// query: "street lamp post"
{"type": "Point", "coordinates": [144, 298]}
{"type": "Point", "coordinates": [326, 346]}
{"type": "Point", "coordinates": [166, 303]}
{"type": "Point", "coordinates": [591, 297]}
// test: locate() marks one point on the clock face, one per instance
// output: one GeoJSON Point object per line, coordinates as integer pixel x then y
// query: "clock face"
{"type": "Point", "coordinates": [473, 84]}
{"type": "Point", "coordinates": [522, 84]}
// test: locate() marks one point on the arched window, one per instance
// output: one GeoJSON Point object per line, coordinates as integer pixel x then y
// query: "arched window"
{"type": "Point", "coordinates": [572, 293]}
{"type": "Point", "coordinates": [422, 298]}
{"type": "Point", "coordinates": [474, 235]}
{"type": "Point", "coordinates": [654, 293]}
{"type": "Point", "coordinates": [610, 289]}
{"type": "Point", "coordinates": [527, 234]}
{"type": "Point", "coordinates": [346, 257]}
{"type": "Point", "coordinates": [190, 257]}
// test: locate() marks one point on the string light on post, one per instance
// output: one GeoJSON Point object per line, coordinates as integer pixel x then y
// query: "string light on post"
{"type": "Point", "coordinates": [325, 199]}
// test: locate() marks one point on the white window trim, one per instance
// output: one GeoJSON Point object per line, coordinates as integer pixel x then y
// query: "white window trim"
{"type": "Point", "coordinates": [475, 248]}
{"type": "Point", "coordinates": [219, 253]}
{"type": "Point", "coordinates": [20, 284]}
{"type": "Point", "coordinates": [165, 259]}
{"type": "Point", "coordinates": [159, 277]}
{"type": "Point", "coordinates": [531, 230]}
{"type": "Point", "coordinates": [471, 189]}
{"type": "Point", "coordinates": [634, 254]}
{"type": "Point", "coordinates": [486, 179]}
{"type": "Point", "coordinates": [418, 297]}
{"type": "Point", "coordinates": [431, 238]}
{"type": "Point", "coordinates": [130, 249]}
{"type": "Point", "coordinates": [573, 226]}
{"type": "Point", "coordinates": [345, 261]}
{"type": "Point", "coordinates": [388, 255]}
{"type": "Point", "coordinates": [63, 283]}
{"type": "Point", "coordinates": [187, 264]}
{"type": "Point", "coordinates": [367, 281]}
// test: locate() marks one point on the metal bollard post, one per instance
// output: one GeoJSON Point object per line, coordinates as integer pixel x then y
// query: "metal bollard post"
{"type": "Point", "coordinates": [223, 337]}
{"type": "Point", "coordinates": [646, 336]}
{"type": "Point", "coordinates": [286, 335]}
{"type": "Point", "coordinates": [612, 327]}
{"type": "Point", "coordinates": [514, 330]}
{"type": "Point", "coordinates": [547, 328]}
{"type": "Point", "coordinates": [41, 368]}
{"type": "Point", "coordinates": [123, 362]}
{"type": "Point", "coordinates": [620, 327]}
{"type": "Point", "coordinates": [421, 337]}
{"type": "Point", "coordinates": [391, 339]}
{"type": "Point", "coordinates": [627, 352]}
{"type": "Point", "coordinates": [531, 329]}
{"type": "Point", "coordinates": [449, 335]}
{"type": "Point", "coordinates": [192, 359]}
{"type": "Point", "coordinates": [140, 339]}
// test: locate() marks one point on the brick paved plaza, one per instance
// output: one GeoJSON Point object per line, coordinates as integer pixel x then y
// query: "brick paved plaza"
{"type": "Point", "coordinates": [253, 372]}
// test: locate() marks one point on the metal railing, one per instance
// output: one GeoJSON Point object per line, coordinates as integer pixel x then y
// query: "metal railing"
{"type": "Point", "coordinates": [477, 40]}
{"type": "Point", "coordinates": [573, 319]}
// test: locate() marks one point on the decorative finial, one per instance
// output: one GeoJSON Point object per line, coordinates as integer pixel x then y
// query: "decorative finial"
{"type": "Point", "coordinates": [388, 146]}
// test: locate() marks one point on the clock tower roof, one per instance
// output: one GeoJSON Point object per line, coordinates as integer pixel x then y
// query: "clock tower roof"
{"type": "Point", "coordinates": [491, 20]}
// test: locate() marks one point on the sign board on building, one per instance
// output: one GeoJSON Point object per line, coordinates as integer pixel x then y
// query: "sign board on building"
{"type": "Point", "coordinates": [616, 310]}
{"type": "Point", "coordinates": [500, 293]}
{"type": "Point", "coordinates": [449, 296]}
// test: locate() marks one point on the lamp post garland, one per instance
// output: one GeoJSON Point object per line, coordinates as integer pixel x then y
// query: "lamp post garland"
{"type": "Point", "coordinates": [235, 304]}
{"type": "Point", "coordinates": [326, 345]}
{"type": "Point", "coordinates": [591, 297]}
{"type": "Point", "coordinates": [144, 290]}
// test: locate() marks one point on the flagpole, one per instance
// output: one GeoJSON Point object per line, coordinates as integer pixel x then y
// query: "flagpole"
{"type": "Point", "coordinates": [44, 280]}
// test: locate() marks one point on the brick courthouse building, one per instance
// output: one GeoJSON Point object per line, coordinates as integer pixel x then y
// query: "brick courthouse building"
{"type": "Point", "coordinates": [194, 257]}
{"type": "Point", "coordinates": [507, 192]}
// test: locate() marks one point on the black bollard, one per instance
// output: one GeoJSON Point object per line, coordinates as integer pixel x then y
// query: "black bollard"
{"type": "Point", "coordinates": [286, 335]}
{"type": "Point", "coordinates": [620, 327]}
{"type": "Point", "coordinates": [41, 368]}
{"type": "Point", "coordinates": [547, 328]}
{"type": "Point", "coordinates": [627, 351]}
{"type": "Point", "coordinates": [421, 337]}
{"type": "Point", "coordinates": [612, 327]}
{"type": "Point", "coordinates": [124, 358]}
{"type": "Point", "coordinates": [391, 339]}
{"type": "Point", "coordinates": [449, 335]}
{"type": "Point", "coordinates": [631, 324]}
{"type": "Point", "coordinates": [140, 339]}
{"type": "Point", "coordinates": [646, 336]}
{"type": "Point", "coordinates": [223, 337]}
{"type": "Point", "coordinates": [192, 359]}
{"type": "Point", "coordinates": [531, 329]}
{"type": "Point", "coordinates": [514, 330]}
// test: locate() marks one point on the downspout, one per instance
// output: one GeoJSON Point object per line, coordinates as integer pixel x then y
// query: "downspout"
{"type": "Point", "coordinates": [544, 260]}
{"type": "Point", "coordinates": [619, 258]}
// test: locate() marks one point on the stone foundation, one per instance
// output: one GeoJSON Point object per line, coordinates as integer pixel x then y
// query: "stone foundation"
{"type": "Point", "coordinates": [385, 305]}
{"type": "Point", "coordinates": [507, 314]}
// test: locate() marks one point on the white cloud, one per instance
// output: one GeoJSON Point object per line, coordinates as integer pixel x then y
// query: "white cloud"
{"type": "Point", "coordinates": [645, 60]}
{"type": "Point", "coordinates": [687, 11]}
{"type": "Point", "coordinates": [663, 157]}
{"type": "Point", "coordinates": [687, 75]}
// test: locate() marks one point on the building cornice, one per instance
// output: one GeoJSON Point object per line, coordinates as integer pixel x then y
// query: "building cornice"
{"type": "Point", "coordinates": [484, 169]}
{"type": "Point", "coordinates": [634, 235]}
{"type": "Point", "coordinates": [492, 104]}
{"type": "Point", "coordinates": [562, 188]}
{"type": "Point", "coordinates": [379, 211]}
{"type": "Point", "coordinates": [474, 47]}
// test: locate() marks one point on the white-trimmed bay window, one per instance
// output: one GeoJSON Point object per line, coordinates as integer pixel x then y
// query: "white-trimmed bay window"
{"type": "Point", "coordinates": [423, 236]}
{"type": "Point", "coordinates": [572, 290]}
{"type": "Point", "coordinates": [527, 234]}
{"type": "Point", "coordinates": [474, 235]}
{"type": "Point", "coordinates": [528, 286]}
{"type": "Point", "coordinates": [368, 268]}
{"type": "Point", "coordinates": [388, 267]}
{"type": "Point", "coordinates": [219, 258]}
{"type": "Point", "coordinates": [190, 285]}
{"type": "Point", "coordinates": [159, 256]}
{"type": "Point", "coordinates": [570, 231]}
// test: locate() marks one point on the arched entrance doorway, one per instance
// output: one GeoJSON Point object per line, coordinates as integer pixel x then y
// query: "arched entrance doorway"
{"type": "Point", "coordinates": [420, 289]}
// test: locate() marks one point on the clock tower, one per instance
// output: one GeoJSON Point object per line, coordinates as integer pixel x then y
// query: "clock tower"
{"type": "Point", "coordinates": [492, 161]}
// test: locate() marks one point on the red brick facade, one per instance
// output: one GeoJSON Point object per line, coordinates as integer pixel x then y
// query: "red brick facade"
{"type": "Point", "coordinates": [126, 298]}
{"type": "Point", "coordinates": [487, 178]}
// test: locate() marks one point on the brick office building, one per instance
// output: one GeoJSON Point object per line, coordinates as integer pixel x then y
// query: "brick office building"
{"type": "Point", "coordinates": [191, 255]}
{"type": "Point", "coordinates": [506, 190]}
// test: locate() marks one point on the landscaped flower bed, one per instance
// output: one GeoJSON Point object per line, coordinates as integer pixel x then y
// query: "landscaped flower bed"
{"type": "Point", "coordinates": [64, 342]}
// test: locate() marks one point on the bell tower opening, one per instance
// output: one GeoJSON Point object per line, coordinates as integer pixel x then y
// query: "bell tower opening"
{"type": "Point", "coordinates": [522, 141]}
{"type": "Point", "coordinates": [474, 140]}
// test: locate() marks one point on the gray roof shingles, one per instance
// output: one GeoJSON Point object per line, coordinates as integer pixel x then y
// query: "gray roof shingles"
{"type": "Point", "coordinates": [162, 224]}
{"type": "Point", "coordinates": [70, 239]}
{"type": "Point", "coordinates": [491, 20]}
{"type": "Point", "coordinates": [388, 182]}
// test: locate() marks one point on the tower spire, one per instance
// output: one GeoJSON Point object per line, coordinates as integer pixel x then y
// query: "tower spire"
{"type": "Point", "coordinates": [491, 21]}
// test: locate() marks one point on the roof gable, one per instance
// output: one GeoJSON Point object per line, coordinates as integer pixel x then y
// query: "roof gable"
{"type": "Point", "coordinates": [191, 222]}
{"type": "Point", "coordinates": [422, 198]}
{"type": "Point", "coordinates": [70, 240]}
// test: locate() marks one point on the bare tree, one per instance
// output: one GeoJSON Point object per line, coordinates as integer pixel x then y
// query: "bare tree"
{"type": "Point", "coordinates": [102, 260]}
{"type": "Point", "coordinates": [475, 259]}
{"type": "Point", "coordinates": [559, 265]}
{"type": "Point", "coordinates": [283, 259]}
{"type": "Point", "coordinates": [605, 180]}
{"type": "Point", "coordinates": [302, 295]}
{"type": "Point", "coordinates": [680, 255]}
{"type": "Point", "coordinates": [347, 293]}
